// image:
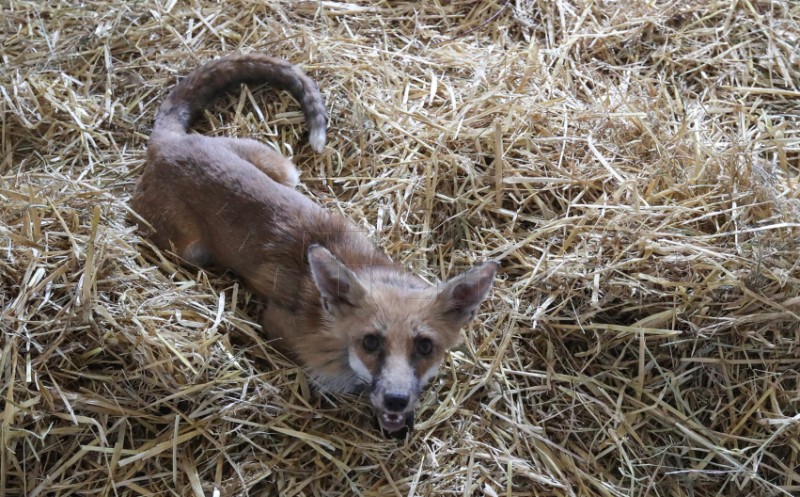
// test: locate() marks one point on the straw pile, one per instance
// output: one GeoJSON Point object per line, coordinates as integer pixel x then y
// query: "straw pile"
{"type": "Point", "coordinates": [633, 164]}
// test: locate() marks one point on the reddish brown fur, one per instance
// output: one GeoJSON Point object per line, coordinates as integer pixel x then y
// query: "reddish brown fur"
{"type": "Point", "coordinates": [229, 202]}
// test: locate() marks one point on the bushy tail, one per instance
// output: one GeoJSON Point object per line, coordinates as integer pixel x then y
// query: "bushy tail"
{"type": "Point", "coordinates": [197, 90]}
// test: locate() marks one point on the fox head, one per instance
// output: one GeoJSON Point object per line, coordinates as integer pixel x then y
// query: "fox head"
{"type": "Point", "coordinates": [396, 328]}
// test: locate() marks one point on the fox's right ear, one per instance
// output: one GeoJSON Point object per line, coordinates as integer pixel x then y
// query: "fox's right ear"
{"type": "Point", "coordinates": [339, 288]}
{"type": "Point", "coordinates": [460, 297]}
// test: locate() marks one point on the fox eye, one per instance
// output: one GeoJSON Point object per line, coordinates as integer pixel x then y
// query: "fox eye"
{"type": "Point", "coordinates": [370, 343]}
{"type": "Point", "coordinates": [424, 346]}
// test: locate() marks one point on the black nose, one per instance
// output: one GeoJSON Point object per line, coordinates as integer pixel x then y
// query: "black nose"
{"type": "Point", "coordinates": [395, 402]}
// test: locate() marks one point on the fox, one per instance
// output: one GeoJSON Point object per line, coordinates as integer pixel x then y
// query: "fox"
{"type": "Point", "coordinates": [352, 318]}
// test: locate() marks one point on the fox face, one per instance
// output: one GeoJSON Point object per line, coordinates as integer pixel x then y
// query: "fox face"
{"type": "Point", "coordinates": [395, 354]}
{"type": "Point", "coordinates": [397, 328]}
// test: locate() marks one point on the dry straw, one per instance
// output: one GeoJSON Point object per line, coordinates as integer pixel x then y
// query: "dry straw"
{"type": "Point", "coordinates": [633, 164]}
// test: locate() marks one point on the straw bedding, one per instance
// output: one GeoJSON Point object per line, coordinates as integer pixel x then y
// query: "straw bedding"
{"type": "Point", "coordinates": [632, 164]}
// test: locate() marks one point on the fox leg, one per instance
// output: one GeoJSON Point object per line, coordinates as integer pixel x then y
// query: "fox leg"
{"type": "Point", "coordinates": [171, 227]}
{"type": "Point", "coordinates": [273, 323]}
{"type": "Point", "coordinates": [266, 159]}
{"type": "Point", "coordinates": [185, 242]}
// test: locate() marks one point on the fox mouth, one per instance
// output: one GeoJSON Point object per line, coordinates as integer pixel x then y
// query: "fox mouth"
{"type": "Point", "coordinates": [395, 421]}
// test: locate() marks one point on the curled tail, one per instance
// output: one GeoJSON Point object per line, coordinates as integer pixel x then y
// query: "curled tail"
{"type": "Point", "coordinates": [205, 83]}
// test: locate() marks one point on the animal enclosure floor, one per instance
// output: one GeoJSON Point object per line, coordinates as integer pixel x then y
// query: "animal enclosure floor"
{"type": "Point", "coordinates": [633, 165]}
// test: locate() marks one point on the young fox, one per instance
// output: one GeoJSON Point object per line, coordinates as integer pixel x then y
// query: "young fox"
{"type": "Point", "coordinates": [350, 316]}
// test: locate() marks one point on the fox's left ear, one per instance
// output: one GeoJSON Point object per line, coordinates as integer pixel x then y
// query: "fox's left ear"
{"type": "Point", "coordinates": [459, 297]}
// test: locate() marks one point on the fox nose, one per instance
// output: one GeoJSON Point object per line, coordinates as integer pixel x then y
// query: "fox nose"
{"type": "Point", "coordinates": [395, 401]}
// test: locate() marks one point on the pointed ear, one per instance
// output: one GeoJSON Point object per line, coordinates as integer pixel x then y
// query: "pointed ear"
{"type": "Point", "coordinates": [339, 288]}
{"type": "Point", "coordinates": [461, 296]}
